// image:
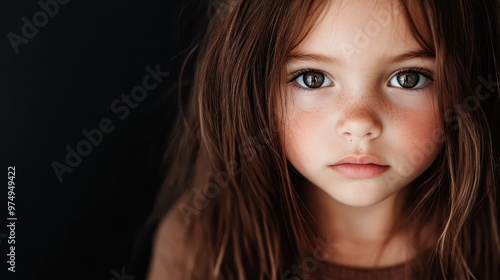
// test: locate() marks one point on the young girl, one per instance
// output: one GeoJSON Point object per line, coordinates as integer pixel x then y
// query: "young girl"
{"type": "Point", "coordinates": [337, 140]}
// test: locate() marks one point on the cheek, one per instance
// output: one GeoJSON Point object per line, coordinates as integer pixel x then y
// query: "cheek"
{"type": "Point", "coordinates": [419, 124]}
{"type": "Point", "coordinates": [416, 127]}
{"type": "Point", "coordinates": [419, 137]}
{"type": "Point", "coordinates": [301, 133]}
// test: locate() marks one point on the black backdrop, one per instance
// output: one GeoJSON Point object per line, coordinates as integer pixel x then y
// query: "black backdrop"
{"type": "Point", "coordinates": [66, 69]}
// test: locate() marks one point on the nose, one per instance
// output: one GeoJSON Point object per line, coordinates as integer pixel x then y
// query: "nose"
{"type": "Point", "coordinates": [360, 123]}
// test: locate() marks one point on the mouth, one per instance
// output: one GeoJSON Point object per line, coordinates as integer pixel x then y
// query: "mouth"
{"type": "Point", "coordinates": [360, 167]}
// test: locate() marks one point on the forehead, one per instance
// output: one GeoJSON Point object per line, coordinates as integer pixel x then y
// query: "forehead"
{"type": "Point", "coordinates": [362, 28]}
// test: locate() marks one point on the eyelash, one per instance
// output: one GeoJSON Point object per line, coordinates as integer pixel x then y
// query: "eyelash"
{"type": "Point", "coordinates": [299, 72]}
{"type": "Point", "coordinates": [293, 76]}
{"type": "Point", "coordinates": [427, 74]}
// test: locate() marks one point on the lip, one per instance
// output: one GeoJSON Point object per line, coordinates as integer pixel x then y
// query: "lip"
{"type": "Point", "coordinates": [364, 167]}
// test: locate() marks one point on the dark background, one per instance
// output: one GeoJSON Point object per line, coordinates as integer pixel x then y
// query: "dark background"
{"type": "Point", "coordinates": [62, 81]}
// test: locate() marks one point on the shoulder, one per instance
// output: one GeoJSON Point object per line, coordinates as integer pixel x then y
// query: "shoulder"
{"type": "Point", "coordinates": [170, 251]}
{"type": "Point", "coordinates": [169, 248]}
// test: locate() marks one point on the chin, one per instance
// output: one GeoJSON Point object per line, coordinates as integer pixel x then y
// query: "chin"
{"type": "Point", "coordinates": [361, 196]}
{"type": "Point", "coordinates": [359, 201]}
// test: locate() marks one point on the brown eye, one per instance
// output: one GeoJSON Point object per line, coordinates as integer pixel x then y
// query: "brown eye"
{"type": "Point", "coordinates": [313, 80]}
{"type": "Point", "coordinates": [408, 79]}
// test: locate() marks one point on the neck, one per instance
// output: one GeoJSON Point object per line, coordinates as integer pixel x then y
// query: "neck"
{"type": "Point", "coordinates": [363, 236]}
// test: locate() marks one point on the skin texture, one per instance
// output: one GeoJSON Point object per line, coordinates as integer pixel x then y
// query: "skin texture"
{"type": "Point", "coordinates": [360, 110]}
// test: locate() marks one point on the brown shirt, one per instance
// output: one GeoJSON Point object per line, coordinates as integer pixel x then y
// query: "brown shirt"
{"type": "Point", "coordinates": [329, 271]}
{"type": "Point", "coordinates": [404, 271]}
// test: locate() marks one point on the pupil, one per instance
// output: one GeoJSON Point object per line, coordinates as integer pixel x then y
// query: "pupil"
{"type": "Point", "coordinates": [313, 80]}
{"type": "Point", "coordinates": [408, 79]}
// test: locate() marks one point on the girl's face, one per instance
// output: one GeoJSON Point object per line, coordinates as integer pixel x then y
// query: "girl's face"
{"type": "Point", "coordinates": [362, 118]}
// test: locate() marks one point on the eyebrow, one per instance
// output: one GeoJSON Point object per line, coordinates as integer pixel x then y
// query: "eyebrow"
{"type": "Point", "coordinates": [420, 54]}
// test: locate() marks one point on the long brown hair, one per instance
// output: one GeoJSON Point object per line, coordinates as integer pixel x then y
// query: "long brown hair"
{"type": "Point", "coordinates": [461, 188]}
{"type": "Point", "coordinates": [246, 219]}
